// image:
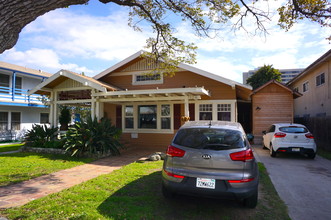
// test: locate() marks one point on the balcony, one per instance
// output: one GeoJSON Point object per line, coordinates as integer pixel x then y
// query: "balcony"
{"type": "Point", "coordinates": [19, 97]}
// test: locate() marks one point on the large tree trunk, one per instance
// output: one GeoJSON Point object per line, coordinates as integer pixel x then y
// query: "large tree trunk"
{"type": "Point", "coordinates": [16, 14]}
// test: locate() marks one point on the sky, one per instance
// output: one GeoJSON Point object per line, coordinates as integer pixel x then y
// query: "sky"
{"type": "Point", "coordinates": [91, 38]}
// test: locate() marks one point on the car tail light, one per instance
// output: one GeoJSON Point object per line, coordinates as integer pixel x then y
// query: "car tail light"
{"type": "Point", "coordinates": [242, 155]}
{"type": "Point", "coordinates": [279, 135]}
{"type": "Point", "coordinates": [175, 152]}
{"type": "Point", "coordinates": [309, 135]}
{"type": "Point", "coordinates": [241, 181]}
{"type": "Point", "coordinates": [174, 175]}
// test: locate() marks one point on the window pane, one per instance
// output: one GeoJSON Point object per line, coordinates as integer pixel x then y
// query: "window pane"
{"type": "Point", "coordinates": [165, 123]}
{"type": "Point", "coordinates": [4, 82]}
{"type": "Point", "coordinates": [18, 85]}
{"type": "Point", "coordinates": [147, 116]}
{"type": "Point", "coordinates": [15, 121]}
{"type": "Point", "coordinates": [3, 121]}
{"type": "Point", "coordinates": [224, 116]}
{"type": "Point", "coordinates": [128, 122]}
{"type": "Point", "coordinates": [165, 110]}
{"type": "Point", "coordinates": [206, 116]}
{"type": "Point", "coordinates": [129, 110]}
{"type": "Point", "coordinates": [44, 118]}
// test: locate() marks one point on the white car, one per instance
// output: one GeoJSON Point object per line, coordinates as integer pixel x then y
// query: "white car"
{"type": "Point", "coordinates": [289, 138]}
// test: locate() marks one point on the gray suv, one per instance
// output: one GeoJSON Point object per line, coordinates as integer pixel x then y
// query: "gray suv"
{"type": "Point", "coordinates": [211, 159]}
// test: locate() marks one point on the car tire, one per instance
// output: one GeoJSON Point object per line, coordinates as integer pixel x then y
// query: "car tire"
{"type": "Point", "coordinates": [272, 152]}
{"type": "Point", "coordinates": [167, 193]}
{"type": "Point", "coordinates": [251, 201]}
{"type": "Point", "coordinates": [311, 155]}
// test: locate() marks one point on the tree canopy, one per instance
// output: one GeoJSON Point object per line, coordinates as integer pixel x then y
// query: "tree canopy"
{"type": "Point", "coordinates": [264, 75]}
{"type": "Point", "coordinates": [204, 16]}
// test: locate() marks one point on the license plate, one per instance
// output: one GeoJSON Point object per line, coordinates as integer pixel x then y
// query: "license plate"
{"type": "Point", "coordinates": [296, 149]}
{"type": "Point", "coordinates": [206, 183]}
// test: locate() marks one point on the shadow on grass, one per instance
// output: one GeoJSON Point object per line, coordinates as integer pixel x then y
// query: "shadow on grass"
{"type": "Point", "coordinates": [142, 199]}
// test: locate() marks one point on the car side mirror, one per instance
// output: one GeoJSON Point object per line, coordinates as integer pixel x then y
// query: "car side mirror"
{"type": "Point", "coordinates": [264, 132]}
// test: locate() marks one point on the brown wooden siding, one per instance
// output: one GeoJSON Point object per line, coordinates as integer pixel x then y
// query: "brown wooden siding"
{"type": "Point", "coordinates": [110, 112]}
{"type": "Point", "coordinates": [157, 142]}
{"type": "Point", "coordinates": [180, 80]}
{"type": "Point", "coordinates": [272, 104]}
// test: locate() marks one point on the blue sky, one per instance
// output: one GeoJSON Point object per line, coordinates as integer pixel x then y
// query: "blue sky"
{"type": "Point", "coordinates": [91, 38]}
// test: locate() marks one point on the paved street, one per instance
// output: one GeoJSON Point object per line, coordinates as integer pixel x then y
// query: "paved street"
{"type": "Point", "coordinates": [302, 183]}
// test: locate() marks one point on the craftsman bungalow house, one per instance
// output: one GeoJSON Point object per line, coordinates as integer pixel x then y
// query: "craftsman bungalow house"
{"type": "Point", "coordinates": [149, 108]}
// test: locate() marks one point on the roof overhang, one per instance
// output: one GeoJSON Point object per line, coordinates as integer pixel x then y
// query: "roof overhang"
{"type": "Point", "coordinates": [47, 86]}
{"type": "Point", "coordinates": [173, 94]}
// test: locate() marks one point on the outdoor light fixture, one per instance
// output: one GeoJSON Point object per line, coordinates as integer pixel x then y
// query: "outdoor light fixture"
{"type": "Point", "coordinates": [258, 108]}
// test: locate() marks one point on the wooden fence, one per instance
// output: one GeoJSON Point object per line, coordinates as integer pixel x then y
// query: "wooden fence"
{"type": "Point", "coordinates": [320, 127]}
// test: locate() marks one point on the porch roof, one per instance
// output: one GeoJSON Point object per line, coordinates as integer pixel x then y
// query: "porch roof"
{"type": "Point", "coordinates": [191, 93]}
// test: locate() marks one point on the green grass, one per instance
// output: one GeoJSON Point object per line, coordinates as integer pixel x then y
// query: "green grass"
{"type": "Point", "coordinates": [10, 147]}
{"type": "Point", "coordinates": [134, 192]}
{"type": "Point", "coordinates": [18, 167]}
{"type": "Point", "coordinates": [324, 153]}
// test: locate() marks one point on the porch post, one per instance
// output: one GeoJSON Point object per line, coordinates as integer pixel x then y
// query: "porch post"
{"type": "Point", "coordinates": [55, 109]}
{"type": "Point", "coordinates": [92, 104]}
{"type": "Point", "coordinates": [186, 107]}
{"type": "Point", "coordinates": [51, 109]}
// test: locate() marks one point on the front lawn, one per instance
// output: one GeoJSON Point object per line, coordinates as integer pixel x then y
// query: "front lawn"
{"type": "Point", "coordinates": [18, 167]}
{"type": "Point", "coordinates": [134, 192]}
{"type": "Point", "coordinates": [10, 147]}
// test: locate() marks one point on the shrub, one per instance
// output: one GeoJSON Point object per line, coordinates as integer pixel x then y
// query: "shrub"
{"type": "Point", "coordinates": [42, 136]}
{"type": "Point", "coordinates": [93, 138]}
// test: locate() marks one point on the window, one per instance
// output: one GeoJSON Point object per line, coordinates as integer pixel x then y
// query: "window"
{"type": "Point", "coordinates": [129, 116]}
{"type": "Point", "coordinates": [15, 121]}
{"type": "Point", "coordinates": [3, 121]}
{"type": "Point", "coordinates": [305, 87]}
{"type": "Point", "coordinates": [18, 86]}
{"type": "Point", "coordinates": [296, 89]}
{"type": "Point", "coordinates": [165, 117]}
{"type": "Point", "coordinates": [320, 79]}
{"type": "Point", "coordinates": [147, 78]}
{"type": "Point", "coordinates": [4, 82]}
{"type": "Point", "coordinates": [147, 116]}
{"type": "Point", "coordinates": [44, 118]}
{"type": "Point", "coordinates": [224, 112]}
{"type": "Point", "coordinates": [205, 112]}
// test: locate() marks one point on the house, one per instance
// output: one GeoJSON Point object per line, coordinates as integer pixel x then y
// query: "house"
{"type": "Point", "coordinates": [18, 110]}
{"type": "Point", "coordinates": [315, 85]}
{"type": "Point", "coordinates": [271, 103]}
{"type": "Point", "coordinates": [149, 107]}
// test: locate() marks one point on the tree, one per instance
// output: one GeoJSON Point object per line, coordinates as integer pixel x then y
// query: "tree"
{"type": "Point", "coordinates": [263, 75]}
{"type": "Point", "coordinates": [205, 16]}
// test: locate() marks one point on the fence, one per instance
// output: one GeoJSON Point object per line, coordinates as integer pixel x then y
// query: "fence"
{"type": "Point", "coordinates": [321, 129]}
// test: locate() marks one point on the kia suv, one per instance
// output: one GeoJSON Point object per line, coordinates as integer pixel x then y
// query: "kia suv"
{"type": "Point", "coordinates": [211, 159]}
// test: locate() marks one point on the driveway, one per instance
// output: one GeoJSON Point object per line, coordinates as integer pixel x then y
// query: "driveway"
{"type": "Point", "coordinates": [303, 184]}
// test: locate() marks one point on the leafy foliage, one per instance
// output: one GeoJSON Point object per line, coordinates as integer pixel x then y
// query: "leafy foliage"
{"type": "Point", "coordinates": [93, 137]}
{"type": "Point", "coordinates": [42, 136]}
{"type": "Point", "coordinates": [65, 117]}
{"type": "Point", "coordinates": [264, 75]}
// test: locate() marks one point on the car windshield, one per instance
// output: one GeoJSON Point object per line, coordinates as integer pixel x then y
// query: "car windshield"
{"type": "Point", "coordinates": [209, 138]}
{"type": "Point", "coordinates": [293, 129]}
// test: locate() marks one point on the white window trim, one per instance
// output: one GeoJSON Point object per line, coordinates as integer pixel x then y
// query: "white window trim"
{"type": "Point", "coordinates": [158, 124]}
{"type": "Point", "coordinates": [316, 79]}
{"type": "Point", "coordinates": [135, 82]}
{"type": "Point", "coordinates": [214, 103]}
{"type": "Point", "coordinates": [307, 87]}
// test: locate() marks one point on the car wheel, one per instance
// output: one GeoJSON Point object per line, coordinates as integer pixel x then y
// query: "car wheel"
{"type": "Point", "coordinates": [272, 152]}
{"type": "Point", "coordinates": [167, 193]}
{"type": "Point", "coordinates": [311, 155]}
{"type": "Point", "coordinates": [251, 201]}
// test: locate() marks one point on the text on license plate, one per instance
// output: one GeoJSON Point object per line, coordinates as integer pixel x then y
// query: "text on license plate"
{"type": "Point", "coordinates": [206, 183]}
{"type": "Point", "coordinates": [296, 149]}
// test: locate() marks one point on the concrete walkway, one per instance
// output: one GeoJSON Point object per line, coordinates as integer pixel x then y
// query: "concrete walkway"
{"type": "Point", "coordinates": [24, 192]}
{"type": "Point", "coordinates": [303, 184]}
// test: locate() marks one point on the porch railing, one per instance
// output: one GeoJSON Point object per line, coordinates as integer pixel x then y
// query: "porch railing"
{"type": "Point", "coordinates": [19, 95]}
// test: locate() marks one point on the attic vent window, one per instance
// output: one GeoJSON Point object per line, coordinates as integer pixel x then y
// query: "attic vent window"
{"type": "Point", "coordinates": [146, 78]}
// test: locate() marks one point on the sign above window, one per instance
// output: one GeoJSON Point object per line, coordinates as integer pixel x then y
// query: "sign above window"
{"type": "Point", "coordinates": [147, 78]}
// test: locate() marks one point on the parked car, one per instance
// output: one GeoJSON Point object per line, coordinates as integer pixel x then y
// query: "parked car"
{"type": "Point", "coordinates": [211, 159]}
{"type": "Point", "coordinates": [289, 138]}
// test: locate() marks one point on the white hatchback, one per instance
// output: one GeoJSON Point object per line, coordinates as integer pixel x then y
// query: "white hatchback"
{"type": "Point", "coordinates": [289, 138]}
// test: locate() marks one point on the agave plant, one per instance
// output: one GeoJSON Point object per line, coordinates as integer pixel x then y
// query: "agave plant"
{"type": "Point", "coordinates": [93, 137]}
{"type": "Point", "coordinates": [40, 136]}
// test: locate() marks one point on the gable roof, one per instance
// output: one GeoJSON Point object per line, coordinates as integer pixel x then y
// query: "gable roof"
{"type": "Point", "coordinates": [181, 66]}
{"type": "Point", "coordinates": [23, 70]}
{"type": "Point", "coordinates": [62, 75]}
{"type": "Point", "coordinates": [317, 62]}
{"type": "Point", "coordinates": [295, 93]}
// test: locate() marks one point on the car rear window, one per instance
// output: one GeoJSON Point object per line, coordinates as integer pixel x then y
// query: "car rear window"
{"type": "Point", "coordinates": [293, 129]}
{"type": "Point", "coordinates": [209, 138]}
